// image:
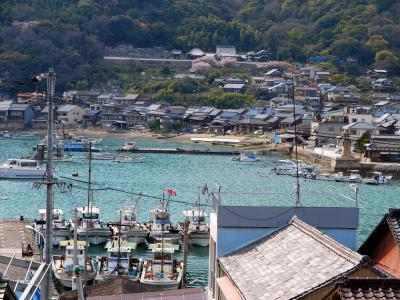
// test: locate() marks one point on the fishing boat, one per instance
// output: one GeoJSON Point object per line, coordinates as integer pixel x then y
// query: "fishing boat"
{"type": "Point", "coordinates": [118, 261]}
{"type": "Point", "coordinates": [162, 271]}
{"type": "Point", "coordinates": [198, 231]}
{"type": "Point", "coordinates": [101, 156]}
{"type": "Point", "coordinates": [354, 177]}
{"type": "Point", "coordinates": [131, 230]}
{"type": "Point", "coordinates": [128, 147]}
{"type": "Point", "coordinates": [91, 225]}
{"type": "Point", "coordinates": [248, 157]}
{"type": "Point", "coordinates": [127, 159]}
{"type": "Point", "coordinates": [308, 172]}
{"type": "Point", "coordinates": [16, 168]}
{"type": "Point", "coordinates": [377, 178]}
{"type": "Point", "coordinates": [339, 177]}
{"type": "Point", "coordinates": [324, 176]}
{"type": "Point", "coordinates": [63, 265]}
{"type": "Point", "coordinates": [61, 228]}
{"type": "Point", "coordinates": [288, 167]}
{"type": "Point", "coordinates": [161, 226]}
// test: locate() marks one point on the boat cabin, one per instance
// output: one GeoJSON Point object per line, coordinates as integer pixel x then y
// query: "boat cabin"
{"type": "Point", "coordinates": [58, 214]}
{"type": "Point", "coordinates": [195, 215]}
{"type": "Point", "coordinates": [89, 212]}
{"type": "Point", "coordinates": [22, 163]}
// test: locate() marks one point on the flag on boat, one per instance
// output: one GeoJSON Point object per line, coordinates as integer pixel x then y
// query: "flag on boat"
{"type": "Point", "coordinates": [171, 192]}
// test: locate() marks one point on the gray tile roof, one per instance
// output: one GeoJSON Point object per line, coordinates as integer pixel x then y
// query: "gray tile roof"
{"type": "Point", "coordinates": [292, 261]}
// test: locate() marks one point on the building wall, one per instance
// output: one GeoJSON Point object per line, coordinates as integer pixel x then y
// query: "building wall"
{"type": "Point", "coordinates": [386, 254]}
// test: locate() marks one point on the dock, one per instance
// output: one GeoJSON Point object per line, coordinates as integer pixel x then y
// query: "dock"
{"type": "Point", "coordinates": [12, 235]}
{"type": "Point", "coordinates": [184, 151]}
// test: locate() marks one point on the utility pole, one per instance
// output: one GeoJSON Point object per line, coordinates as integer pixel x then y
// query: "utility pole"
{"type": "Point", "coordinates": [185, 248]}
{"type": "Point", "coordinates": [51, 83]}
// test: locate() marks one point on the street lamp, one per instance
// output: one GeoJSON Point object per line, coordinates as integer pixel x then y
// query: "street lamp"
{"type": "Point", "coordinates": [29, 227]}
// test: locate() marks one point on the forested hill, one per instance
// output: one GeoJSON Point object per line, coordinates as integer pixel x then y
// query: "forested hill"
{"type": "Point", "coordinates": [71, 34]}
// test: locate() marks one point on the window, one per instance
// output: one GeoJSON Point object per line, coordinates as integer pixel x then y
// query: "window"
{"type": "Point", "coordinates": [354, 120]}
{"type": "Point", "coordinates": [331, 128]}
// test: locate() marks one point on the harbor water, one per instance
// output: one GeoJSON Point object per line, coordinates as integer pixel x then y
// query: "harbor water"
{"type": "Point", "coordinates": [153, 174]}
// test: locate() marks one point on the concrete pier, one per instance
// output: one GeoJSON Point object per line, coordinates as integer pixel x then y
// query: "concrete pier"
{"type": "Point", "coordinates": [183, 151]}
{"type": "Point", "coordinates": [12, 233]}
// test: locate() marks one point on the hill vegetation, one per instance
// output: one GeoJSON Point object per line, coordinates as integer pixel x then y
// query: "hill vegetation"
{"type": "Point", "coordinates": [71, 35]}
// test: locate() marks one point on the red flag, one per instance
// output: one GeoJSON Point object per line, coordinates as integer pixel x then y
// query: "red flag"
{"type": "Point", "coordinates": [171, 192]}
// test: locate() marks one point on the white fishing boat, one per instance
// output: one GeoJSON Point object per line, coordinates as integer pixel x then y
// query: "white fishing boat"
{"type": "Point", "coordinates": [324, 176]}
{"type": "Point", "coordinates": [91, 225]}
{"type": "Point", "coordinates": [101, 156]}
{"type": "Point", "coordinates": [128, 159]}
{"type": "Point", "coordinates": [339, 177]}
{"type": "Point", "coordinates": [377, 178]}
{"type": "Point", "coordinates": [131, 230]}
{"type": "Point", "coordinates": [161, 226]}
{"type": "Point", "coordinates": [288, 167]}
{"type": "Point", "coordinates": [118, 261]}
{"type": "Point", "coordinates": [354, 177]}
{"type": "Point", "coordinates": [162, 271]}
{"type": "Point", "coordinates": [63, 265]}
{"type": "Point", "coordinates": [198, 231]}
{"type": "Point", "coordinates": [248, 157]}
{"type": "Point", "coordinates": [308, 172]}
{"type": "Point", "coordinates": [128, 147]}
{"type": "Point", "coordinates": [16, 168]}
{"type": "Point", "coordinates": [61, 228]}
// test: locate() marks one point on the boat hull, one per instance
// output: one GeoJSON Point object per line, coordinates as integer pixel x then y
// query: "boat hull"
{"type": "Point", "coordinates": [162, 285]}
{"type": "Point", "coordinates": [174, 238]}
{"type": "Point", "coordinates": [138, 237]}
{"type": "Point", "coordinates": [95, 236]}
{"type": "Point", "coordinates": [6, 173]}
{"type": "Point", "coordinates": [199, 239]}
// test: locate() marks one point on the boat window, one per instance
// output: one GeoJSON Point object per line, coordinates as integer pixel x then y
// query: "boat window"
{"type": "Point", "coordinates": [162, 216]}
{"type": "Point", "coordinates": [121, 254]}
{"type": "Point", "coordinates": [90, 216]}
{"type": "Point", "coordinates": [13, 162]}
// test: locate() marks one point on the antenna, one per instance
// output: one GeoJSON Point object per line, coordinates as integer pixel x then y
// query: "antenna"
{"type": "Point", "coordinates": [298, 202]}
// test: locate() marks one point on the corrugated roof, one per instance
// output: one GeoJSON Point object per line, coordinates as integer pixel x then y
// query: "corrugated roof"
{"type": "Point", "coordinates": [291, 262]}
{"type": "Point", "coordinates": [359, 125]}
{"type": "Point", "coordinates": [278, 216]}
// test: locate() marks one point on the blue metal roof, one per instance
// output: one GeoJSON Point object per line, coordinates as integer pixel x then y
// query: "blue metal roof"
{"type": "Point", "coordinates": [275, 216]}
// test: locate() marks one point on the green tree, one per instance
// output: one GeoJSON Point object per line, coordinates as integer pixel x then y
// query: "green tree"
{"type": "Point", "coordinates": [362, 141]}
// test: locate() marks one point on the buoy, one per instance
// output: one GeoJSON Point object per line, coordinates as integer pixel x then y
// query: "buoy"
{"type": "Point", "coordinates": [75, 174]}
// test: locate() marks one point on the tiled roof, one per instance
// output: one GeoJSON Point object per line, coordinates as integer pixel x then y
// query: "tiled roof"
{"type": "Point", "coordinates": [393, 220]}
{"type": "Point", "coordinates": [361, 289]}
{"type": "Point", "coordinates": [288, 263]}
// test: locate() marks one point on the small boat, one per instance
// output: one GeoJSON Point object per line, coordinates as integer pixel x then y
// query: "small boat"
{"type": "Point", "coordinates": [288, 167]}
{"type": "Point", "coordinates": [5, 135]}
{"type": "Point", "coordinates": [161, 226]}
{"type": "Point", "coordinates": [119, 260]}
{"type": "Point", "coordinates": [162, 271]}
{"type": "Point", "coordinates": [63, 265]}
{"type": "Point", "coordinates": [377, 178]}
{"type": "Point", "coordinates": [199, 232]}
{"type": "Point", "coordinates": [324, 176]}
{"type": "Point", "coordinates": [339, 177]}
{"type": "Point", "coordinates": [61, 228]}
{"type": "Point", "coordinates": [128, 159]}
{"type": "Point", "coordinates": [248, 157]}
{"type": "Point", "coordinates": [101, 156]}
{"type": "Point", "coordinates": [131, 230]}
{"type": "Point", "coordinates": [308, 172]}
{"type": "Point", "coordinates": [128, 147]}
{"type": "Point", "coordinates": [75, 174]}
{"type": "Point", "coordinates": [90, 225]}
{"type": "Point", "coordinates": [22, 169]}
{"type": "Point", "coordinates": [354, 177]}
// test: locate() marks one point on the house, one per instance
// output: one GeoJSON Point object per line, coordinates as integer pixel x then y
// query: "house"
{"type": "Point", "coordinates": [195, 53]}
{"type": "Point", "coordinates": [133, 116]}
{"type": "Point", "coordinates": [382, 84]}
{"type": "Point", "coordinates": [380, 96]}
{"type": "Point", "coordinates": [20, 116]}
{"type": "Point", "coordinates": [249, 125]}
{"type": "Point", "coordinates": [194, 77]}
{"type": "Point", "coordinates": [308, 72]}
{"type": "Point", "coordinates": [365, 288]}
{"type": "Point", "coordinates": [111, 116]}
{"type": "Point", "coordinates": [357, 129]}
{"type": "Point", "coordinates": [321, 76]}
{"type": "Point", "coordinates": [105, 98]}
{"type": "Point", "coordinates": [383, 243]}
{"type": "Point", "coordinates": [338, 94]}
{"type": "Point", "coordinates": [4, 108]}
{"type": "Point", "coordinates": [23, 98]}
{"type": "Point", "coordinates": [225, 52]}
{"type": "Point", "coordinates": [327, 130]}
{"type": "Point", "coordinates": [257, 80]}
{"type": "Point", "coordinates": [127, 100]}
{"type": "Point", "coordinates": [92, 117]}
{"type": "Point", "coordinates": [234, 88]}
{"type": "Point", "coordinates": [265, 252]}
{"type": "Point", "coordinates": [273, 73]}
{"type": "Point", "coordinates": [359, 114]}
{"type": "Point", "coordinates": [374, 74]}
{"type": "Point", "coordinates": [176, 54]}
{"type": "Point", "coordinates": [305, 92]}
{"type": "Point", "coordinates": [79, 97]}
{"type": "Point", "coordinates": [70, 114]}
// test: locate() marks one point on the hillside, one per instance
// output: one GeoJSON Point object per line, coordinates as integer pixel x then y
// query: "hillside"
{"type": "Point", "coordinates": [71, 35]}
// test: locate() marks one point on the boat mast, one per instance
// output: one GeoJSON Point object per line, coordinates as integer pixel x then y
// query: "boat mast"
{"type": "Point", "coordinates": [119, 243]}
{"type": "Point", "coordinates": [162, 235]}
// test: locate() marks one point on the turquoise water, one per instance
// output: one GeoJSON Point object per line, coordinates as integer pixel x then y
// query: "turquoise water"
{"type": "Point", "coordinates": [241, 183]}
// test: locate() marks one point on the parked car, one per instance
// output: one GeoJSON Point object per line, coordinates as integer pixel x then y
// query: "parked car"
{"type": "Point", "coordinates": [258, 132]}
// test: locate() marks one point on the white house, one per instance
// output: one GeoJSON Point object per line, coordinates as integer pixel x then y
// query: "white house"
{"type": "Point", "coordinates": [70, 114]}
